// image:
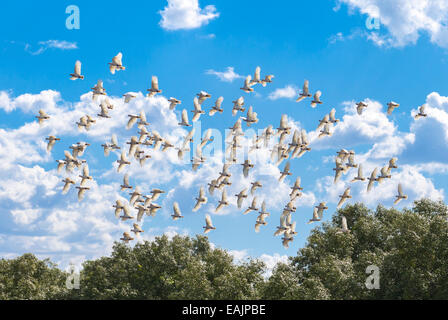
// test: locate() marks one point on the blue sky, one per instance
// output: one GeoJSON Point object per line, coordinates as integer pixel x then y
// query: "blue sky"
{"type": "Point", "coordinates": [183, 42]}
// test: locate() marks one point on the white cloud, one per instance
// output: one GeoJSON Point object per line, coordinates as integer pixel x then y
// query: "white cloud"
{"type": "Point", "coordinates": [289, 92]}
{"type": "Point", "coordinates": [51, 44]}
{"type": "Point", "coordinates": [37, 212]}
{"type": "Point", "coordinates": [227, 76]}
{"type": "Point", "coordinates": [406, 20]}
{"type": "Point", "coordinates": [271, 261]}
{"type": "Point", "coordinates": [414, 183]}
{"type": "Point", "coordinates": [353, 129]}
{"type": "Point", "coordinates": [186, 14]}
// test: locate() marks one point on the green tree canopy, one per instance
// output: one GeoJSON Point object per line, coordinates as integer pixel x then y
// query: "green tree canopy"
{"type": "Point", "coordinates": [410, 248]}
{"type": "Point", "coordinates": [181, 268]}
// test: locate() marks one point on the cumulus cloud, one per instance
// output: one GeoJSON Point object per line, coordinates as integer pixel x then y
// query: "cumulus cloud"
{"type": "Point", "coordinates": [36, 212]}
{"type": "Point", "coordinates": [227, 76]}
{"type": "Point", "coordinates": [186, 14]}
{"type": "Point", "coordinates": [353, 129]}
{"type": "Point", "coordinates": [405, 20]}
{"type": "Point", "coordinates": [288, 92]}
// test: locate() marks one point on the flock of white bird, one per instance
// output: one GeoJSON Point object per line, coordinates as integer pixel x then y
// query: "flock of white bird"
{"type": "Point", "coordinates": [296, 148]}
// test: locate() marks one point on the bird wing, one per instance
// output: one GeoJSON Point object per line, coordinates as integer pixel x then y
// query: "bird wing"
{"type": "Point", "coordinates": [117, 59]}
{"type": "Point", "coordinates": [126, 179]}
{"type": "Point", "coordinates": [131, 122]}
{"type": "Point", "coordinates": [344, 223]}
{"type": "Point", "coordinates": [114, 139]}
{"type": "Point", "coordinates": [306, 87]}
{"type": "Point", "coordinates": [304, 137]}
{"type": "Point", "coordinates": [184, 116]}
{"type": "Point", "coordinates": [284, 121]}
{"type": "Point", "coordinates": [247, 81]}
{"type": "Point", "coordinates": [208, 221]}
{"type": "Point", "coordinates": [254, 202]}
{"type": "Point", "coordinates": [224, 196]}
{"type": "Point", "coordinates": [219, 102]}
{"type": "Point", "coordinates": [155, 83]}
{"type": "Point", "coordinates": [176, 209]}
{"type": "Point", "coordinates": [197, 206]}
{"type": "Point", "coordinates": [78, 67]}
{"type": "Point", "coordinates": [257, 74]}
{"type": "Point", "coordinates": [374, 173]}
{"type": "Point", "coordinates": [197, 106]}
{"type": "Point", "coordinates": [332, 114]}
{"type": "Point", "coordinates": [400, 190]}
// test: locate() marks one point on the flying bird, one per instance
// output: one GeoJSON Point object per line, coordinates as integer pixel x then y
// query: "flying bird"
{"type": "Point", "coordinates": [122, 162]}
{"type": "Point", "coordinates": [316, 100]}
{"type": "Point", "coordinates": [391, 106]}
{"type": "Point", "coordinates": [81, 192]}
{"type": "Point", "coordinates": [325, 131]}
{"type": "Point", "coordinates": [305, 92]}
{"type": "Point", "coordinates": [208, 224]}
{"type": "Point", "coordinates": [197, 110]}
{"type": "Point", "coordinates": [77, 73]}
{"type": "Point", "coordinates": [255, 186]}
{"type": "Point", "coordinates": [360, 106]}
{"type": "Point", "coordinates": [173, 102]}
{"type": "Point", "coordinates": [126, 237]}
{"type": "Point", "coordinates": [98, 90]}
{"type": "Point", "coordinates": [393, 163]}
{"type": "Point", "coordinates": [184, 121]}
{"type": "Point", "coordinates": [252, 207]}
{"type": "Point", "coordinates": [346, 195]}
{"type": "Point", "coordinates": [136, 229]}
{"type": "Point", "coordinates": [257, 77]}
{"type": "Point", "coordinates": [116, 64]}
{"type": "Point", "coordinates": [238, 106]}
{"type": "Point", "coordinates": [400, 195]}
{"type": "Point", "coordinates": [85, 175]}
{"type": "Point", "coordinates": [223, 202]}
{"type": "Point", "coordinates": [202, 96]}
{"type": "Point", "coordinates": [217, 107]}
{"type": "Point", "coordinates": [240, 197]}
{"type": "Point", "coordinates": [421, 112]}
{"type": "Point", "coordinates": [372, 179]}
{"type": "Point", "coordinates": [42, 117]}
{"type": "Point", "coordinates": [51, 142]}
{"type": "Point", "coordinates": [296, 188]}
{"type": "Point", "coordinates": [285, 172]}
{"type": "Point", "coordinates": [67, 183]}
{"type": "Point", "coordinates": [320, 209]}
{"type": "Point", "coordinates": [315, 217]}
{"type": "Point", "coordinates": [154, 87]}
{"type": "Point", "coordinates": [129, 96]}
{"type": "Point", "coordinates": [260, 222]}
{"type": "Point", "coordinates": [246, 166]}
{"type": "Point", "coordinates": [267, 79]}
{"type": "Point", "coordinates": [200, 200]}
{"type": "Point", "coordinates": [176, 212]}
{"type": "Point", "coordinates": [360, 176]}
{"type": "Point", "coordinates": [247, 85]}
{"type": "Point", "coordinates": [344, 228]}
{"type": "Point", "coordinates": [126, 184]}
